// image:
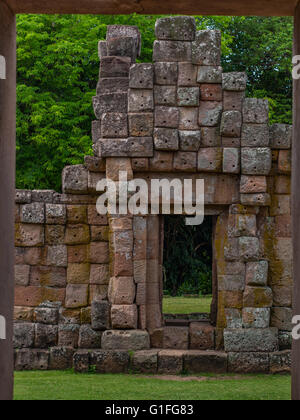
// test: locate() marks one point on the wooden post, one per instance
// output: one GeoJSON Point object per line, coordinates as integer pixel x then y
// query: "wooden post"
{"type": "Point", "coordinates": [296, 210]}
{"type": "Point", "coordinates": [7, 194]}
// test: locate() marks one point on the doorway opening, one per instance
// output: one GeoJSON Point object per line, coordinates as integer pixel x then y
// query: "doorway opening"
{"type": "Point", "coordinates": [189, 279]}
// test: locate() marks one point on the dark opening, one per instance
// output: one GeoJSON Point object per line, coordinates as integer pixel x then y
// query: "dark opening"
{"type": "Point", "coordinates": [188, 271]}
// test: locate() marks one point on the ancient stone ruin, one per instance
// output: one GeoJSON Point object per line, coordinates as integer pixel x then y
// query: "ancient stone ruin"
{"type": "Point", "coordinates": [89, 287]}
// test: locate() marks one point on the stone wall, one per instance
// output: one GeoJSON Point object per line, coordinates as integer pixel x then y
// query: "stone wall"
{"type": "Point", "coordinates": [85, 281]}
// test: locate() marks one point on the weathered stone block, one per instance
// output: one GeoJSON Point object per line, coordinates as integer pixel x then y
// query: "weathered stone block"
{"type": "Point", "coordinates": [76, 295]}
{"type": "Point", "coordinates": [110, 102]}
{"type": "Point", "coordinates": [130, 147]}
{"type": "Point", "coordinates": [170, 362]}
{"type": "Point", "coordinates": [44, 315]}
{"type": "Point", "coordinates": [141, 76]}
{"type": "Point", "coordinates": [187, 74]}
{"type": "Point", "coordinates": [231, 124]}
{"type": "Point", "coordinates": [248, 248]}
{"type": "Point", "coordinates": [185, 161]}
{"type": "Point", "coordinates": [75, 179]}
{"type": "Point", "coordinates": [190, 140]}
{"type": "Point", "coordinates": [210, 137]}
{"type": "Point", "coordinates": [77, 234]}
{"type": "Point", "coordinates": [69, 316]}
{"type": "Point", "coordinates": [165, 95]}
{"type": "Point", "coordinates": [231, 142]}
{"type": "Point", "coordinates": [100, 315]}
{"type": "Point", "coordinates": [23, 313]}
{"type": "Point", "coordinates": [231, 160]}
{"type": "Point", "coordinates": [261, 200]}
{"type": "Point", "coordinates": [173, 51]}
{"type": "Point", "coordinates": [55, 214]}
{"type": "Point", "coordinates": [68, 335]}
{"type": "Point", "coordinates": [202, 336]}
{"type": "Point", "coordinates": [96, 130]}
{"type": "Point", "coordinates": [140, 164]}
{"type": "Point", "coordinates": [30, 359]}
{"type": "Point", "coordinates": [211, 92]}
{"type": "Point", "coordinates": [115, 67]}
{"type": "Point", "coordinates": [124, 317]}
{"type": "Point", "coordinates": [45, 336]}
{"type": "Point", "coordinates": [206, 49]}
{"type": "Point", "coordinates": [210, 159]}
{"type": "Point", "coordinates": [242, 225]}
{"type": "Point", "coordinates": [188, 118]}
{"type": "Point", "coordinates": [177, 28]}
{"type": "Point", "coordinates": [283, 228]}
{"type": "Point", "coordinates": [120, 31]}
{"type": "Point", "coordinates": [284, 161]}
{"type": "Point", "coordinates": [88, 338]}
{"type": "Point", "coordinates": [281, 204]}
{"type": "Point", "coordinates": [23, 335]}
{"type": "Point", "coordinates": [248, 362]}
{"type": "Point", "coordinates": [210, 113]}
{"type": "Point", "coordinates": [233, 101]}
{"type": "Point", "coordinates": [285, 340]}
{"type": "Point", "coordinates": [251, 340]}
{"type": "Point", "coordinates": [281, 273]}
{"type": "Point", "coordinates": [233, 318]}
{"type": "Point", "coordinates": [77, 214]}
{"type": "Point", "coordinates": [33, 296]}
{"type": "Point", "coordinates": [94, 218]}
{"type": "Point", "coordinates": [102, 49]}
{"type": "Point", "coordinates": [141, 124]}
{"type": "Point", "coordinates": [258, 297]}
{"type": "Point", "coordinates": [281, 136]}
{"type": "Point", "coordinates": [256, 317]}
{"type": "Point", "coordinates": [166, 117]}
{"type": "Point", "coordinates": [61, 358]}
{"type": "Point", "coordinates": [112, 85]}
{"type": "Point", "coordinates": [99, 274]}
{"type": "Point", "coordinates": [121, 290]}
{"type": "Point", "coordinates": [140, 100]}
{"type": "Point", "coordinates": [98, 292]}
{"type": "Point", "coordinates": [114, 124]}
{"type": "Point", "coordinates": [81, 361]}
{"type": "Point", "coordinates": [283, 296]}
{"type": "Point", "coordinates": [281, 318]}
{"type": "Point", "coordinates": [145, 361]}
{"type": "Point", "coordinates": [23, 197]}
{"type": "Point", "coordinates": [205, 361]}
{"type": "Point", "coordinates": [256, 111]}
{"type": "Point", "coordinates": [256, 161]}
{"type": "Point", "coordinates": [94, 164]}
{"type": "Point", "coordinates": [125, 340]}
{"type": "Point", "coordinates": [124, 46]}
{"type": "Point", "coordinates": [281, 362]}
{"type": "Point", "coordinates": [78, 273]}
{"type": "Point", "coordinates": [78, 254]}
{"type": "Point", "coordinates": [253, 184]}
{"type": "Point", "coordinates": [166, 139]}
{"type": "Point", "coordinates": [234, 81]}
{"type": "Point", "coordinates": [257, 273]}
{"type": "Point", "coordinates": [188, 96]}
{"type": "Point", "coordinates": [176, 338]}
{"type": "Point", "coordinates": [209, 74]}
{"type": "Point", "coordinates": [110, 361]}
{"type": "Point", "coordinates": [22, 273]}
{"type": "Point", "coordinates": [165, 73]}
{"type": "Point", "coordinates": [33, 213]}
{"type": "Point", "coordinates": [255, 135]}
{"type": "Point", "coordinates": [231, 282]}
{"type": "Point", "coordinates": [57, 256]}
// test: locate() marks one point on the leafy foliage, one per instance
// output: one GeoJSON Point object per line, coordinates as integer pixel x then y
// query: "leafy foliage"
{"type": "Point", "coordinates": [187, 256]}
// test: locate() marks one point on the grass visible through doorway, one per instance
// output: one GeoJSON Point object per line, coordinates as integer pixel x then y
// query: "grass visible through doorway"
{"type": "Point", "coordinates": [187, 305]}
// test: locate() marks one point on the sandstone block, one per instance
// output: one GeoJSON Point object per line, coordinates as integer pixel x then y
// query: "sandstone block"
{"type": "Point", "coordinates": [124, 317]}
{"type": "Point", "coordinates": [23, 313]}
{"type": "Point", "coordinates": [114, 67]}
{"type": "Point", "coordinates": [69, 316]}
{"type": "Point", "coordinates": [233, 101]}
{"type": "Point", "coordinates": [77, 234]}
{"type": "Point", "coordinates": [284, 161]}
{"type": "Point", "coordinates": [77, 214]}
{"type": "Point", "coordinates": [253, 184]}
{"type": "Point", "coordinates": [166, 139]}
{"type": "Point", "coordinates": [256, 317]}
{"type": "Point", "coordinates": [170, 362]}
{"type": "Point", "coordinates": [120, 31]}
{"type": "Point", "coordinates": [231, 124]}
{"type": "Point", "coordinates": [281, 318]}
{"type": "Point", "coordinates": [114, 124]}
{"type": "Point", "coordinates": [76, 295]}
{"type": "Point", "coordinates": [33, 296]}
{"type": "Point", "coordinates": [248, 363]}
{"type": "Point", "coordinates": [187, 74]}
{"type": "Point", "coordinates": [23, 197]}
{"type": "Point", "coordinates": [45, 315]}
{"type": "Point", "coordinates": [206, 49]}
{"type": "Point", "coordinates": [165, 95]}
{"type": "Point", "coordinates": [256, 161]}
{"type": "Point", "coordinates": [251, 340]}
{"type": "Point", "coordinates": [231, 282]}
{"type": "Point", "coordinates": [141, 76]}
{"type": "Point", "coordinates": [125, 46]}
{"type": "Point", "coordinates": [110, 361]}
{"type": "Point", "coordinates": [141, 124]}
{"type": "Point", "coordinates": [234, 81]}
{"type": "Point", "coordinates": [248, 248]}
{"type": "Point", "coordinates": [81, 361]}
{"type": "Point", "coordinates": [185, 161]}
{"type": "Point", "coordinates": [88, 338]}
{"type": "Point", "coordinates": [210, 137]}
{"type": "Point", "coordinates": [256, 111]}
{"type": "Point", "coordinates": [68, 335]}
{"type": "Point", "coordinates": [165, 73]}
{"type": "Point", "coordinates": [121, 291]}
{"type": "Point", "coordinates": [257, 273]}
{"type": "Point", "coordinates": [177, 28]}
{"type": "Point", "coordinates": [210, 159]}
{"type": "Point", "coordinates": [172, 51]}
{"type": "Point", "coordinates": [57, 256]}
{"type": "Point", "coordinates": [231, 160]}
{"type": "Point", "coordinates": [48, 276]}
{"type": "Point", "coordinates": [209, 74]}
{"type": "Point", "coordinates": [75, 179]}
{"type": "Point", "coordinates": [188, 96]}
{"type": "Point", "coordinates": [130, 147]}
{"type": "Point", "coordinates": [166, 117]}
{"type": "Point", "coordinates": [210, 113]}
{"type": "Point", "coordinates": [54, 234]}
{"type": "Point", "coordinates": [22, 273]}
{"type": "Point", "coordinates": [78, 273]}
{"type": "Point", "coordinates": [125, 340]}
{"type": "Point", "coordinates": [98, 292]}
{"type": "Point", "coordinates": [262, 200]}
{"type": "Point", "coordinates": [176, 338]}
{"type": "Point", "coordinates": [281, 136]}
{"type": "Point", "coordinates": [100, 315]}
{"type": "Point", "coordinates": [202, 337]}
{"type": "Point", "coordinates": [188, 118]}
{"type": "Point", "coordinates": [242, 225]}
{"type": "Point", "coordinates": [99, 274]}
{"type": "Point", "coordinates": [233, 318]}
{"type": "Point", "coordinates": [94, 164]}
{"type": "Point", "coordinates": [78, 254]}
{"type": "Point", "coordinates": [110, 102]}
{"type": "Point", "coordinates": [258, 297]}
{"type": "Point", "coordinates": [140, 100]}
{"type": "Point", "coordinates": [61, 358]}
{"type": "Point", "coordinates": [280, 362]}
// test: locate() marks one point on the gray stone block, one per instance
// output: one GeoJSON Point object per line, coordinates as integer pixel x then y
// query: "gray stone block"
{"type": "Point", "coordinates": [257, 273]}
{"type": "Point", "coordinates": [45, 336]}
{"type": "Point", "coordinates": [166, 117]}
{"type": "Point", "coordinates": [165, 73]}
{"type": "Point", "coordinates": [113, 125]}
{"type": "Point", "coordinates": [165, 95]}
{"type": "Point", "coordinates": [166, 139]}
{"type": "Point", "coordinates": [251, 340]}
{"type": "Point", "coordinates": [285, 340]}
{"type": "Point", "coordinates": [119, 31]}
{"type": "Point", "coordinates": [174, 51]}
{"type": "Point", "coordinates": [110, 102]}
{"type": "Point", "coordinates": [68, 335]}
{"type": "Point", "coordinates": [23, 197]}
{"type": "Point", "coordinates": [206, 49]}
{"type": "Point", "coordinates": [31, 359]}
{"type": "Point", "coordinates": [114, 67]}
{"type": "Point", "coordinates": [112, 85]}
{"type": "Point", "coordinates": [236, 82]}
{"type": "Point", "coordinates": [231, 282]}
{"type": "Point", "coordinates": [124, 46]}
{"type": "Point", "coordinates": [233, 318]}
{"type": "Point", "coordinates": [145, 361]}
{"type": "Point", "coordinates": [210, 137]}
{"type": "Point", "coordinates": [256, 111]}
{"type": "Point", "coordinates": [102, 49]}
{"type": "Point", "coordinates": [187, 74]}
{"type": "Point", "coordinates": [281, 136]}
{"type": "Point", "coordinates": [125, 340]}
{"type": "Point", "coordinates": [248, 362]}
{"type": "Point", "coordinates": [23, 335]}
{"type": "Point", "coordinates": [88, 338]}
{"type": "Point", "coordinates": [231, 124]}
{"type": "Point", "coordinates": [209, 74]}
{"type": "Point", "coordinates": [256, 161]}
{"type": "Point", "coordinates": [61, 358]}
{"type": "Point", "coordinates": [100, 313]}
{"type": "Point", "coordinates": [56, 214]}
{"type": "Point", "coordinates": [210, 113]}
{"type": "Point", "coordinates": [255, 135]}
{"type": "Point", "coordinates": [281, 318]}
{"type": "Point", "coordinates": [42, 196]}
{"type": "Point", "coordinates": [177, 28]}
{"type": "Point", "coordinates": [113, 361]}
{"type": "Point", "coordinates": [281, 362]}
{"type": "Point", "coordinates": [141, 76]}
{"type": "Point", "coordinates": [81, 361]}
{"type": "Point", "coordinates": [46, 315]}
{"type": "Point", "coordinates": [130, 147]}
{"type": "Point", "coordinates": [256, 317]}
{"type": "Point", "coordinates": [75, 180]}
{"type": "Point", "coordinates": [188, 96]}
{"type": "Point", "coordinates": [33, 213]}
{"type": "Point", "coordinates": [96, 130]}
{"type": "Point", "coordinates": [190, 140]}
{"type": "Point", "coordinates": [140, 100]}
{"type": "Point", "coordinates": [195, 361]}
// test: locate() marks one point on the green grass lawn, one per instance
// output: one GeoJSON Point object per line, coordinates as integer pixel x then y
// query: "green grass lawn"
{"type": "Point", "coordinates": [184, 305]}
{"type": "Point", "coordinates": [70, 386]}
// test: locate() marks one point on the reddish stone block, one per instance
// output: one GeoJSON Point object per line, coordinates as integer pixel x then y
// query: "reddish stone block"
{"type": "Point", "coordinates": [185, 161]}
{"type": "Point", "coordinates": [99, 233]}
{"type": "Point", "coordinates": [231, 142]}
{"type": "Point", "coordinates": [187, 74]}
{"type": "Point", "coordinates": [284, 161]}
{"type": "Point", "coordinates": [121, 291]}
{"type": "Point", "coordinates": [188, 118]}
{"type": "Point", "coordinates": [253, 184]}
{"type": "Point", "coordinates": [77, 234]}
{"type": "Point", "coordinates": [210, 137]}
{"type": "Point", "coordinates": [283, 226]}
{"type": "Point", "coordinates": [22, 273]}
{"type": "Point", "coordinates": [78, 273]}
{"type": "Point", "coordinates": [99, 274]}
{"type": "Point", "coordinates": [211, 92]}
{"type": "Point", "coordinates": [161, 162]}
{"type": "Point", "coordinates": [29, 235]}
{"type": "Point", "coordinates": [166, 117]}
{"type": "Point", "coordinates": [210, 159]}
{"type": "Point", "coordinates": [233, 101]}
{"type": "Point", "coordinates": [282, 184]}
{"type": "Point", "coordinates": [98, 292]}
{"type": "Point", "coordinates": [68, 335]}
{"type": "Point", "coordinates": [48, 276]}
{"type": "Point", "coordinates": [99, 253]}
{"type": "Point", "coordinates": [124, 317]}
{"type": "Point", "coordinates": [202, 337]}
{"type": "Point", "coordinates": [33, 296]}
{"type": "Point", "coordinates": [78, 254]}
{"type": "Point", "coordinates": [94, 218]}
{"type": "Point", "coordinates": [140, 164]}
{"type": "Point", "coordinates": [121, 223]}
{"type": "Point", "coordinates": [122, 265]}
{"type": "Point", "coordinates": [176, 338]}
{"type": "Point", "coordinates": [76, 295]}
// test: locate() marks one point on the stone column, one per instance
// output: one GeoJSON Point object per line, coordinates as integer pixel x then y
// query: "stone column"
{"type": "Point", "coordinates": [7, 177]}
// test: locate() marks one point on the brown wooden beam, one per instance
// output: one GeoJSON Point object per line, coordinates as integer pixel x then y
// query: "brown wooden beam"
{"type": "Point", "coordinates": [7, 190]}
{"type": "Point", "coordinates": [189, 7]}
